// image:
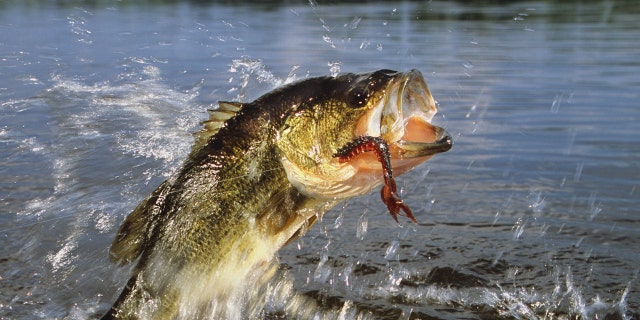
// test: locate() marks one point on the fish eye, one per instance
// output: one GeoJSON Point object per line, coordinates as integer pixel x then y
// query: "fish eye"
{"type": "Point", "coordinates": [358, 97]}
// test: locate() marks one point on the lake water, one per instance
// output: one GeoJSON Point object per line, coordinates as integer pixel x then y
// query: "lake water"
{"type": "Point", "coordinates": [534, 213]}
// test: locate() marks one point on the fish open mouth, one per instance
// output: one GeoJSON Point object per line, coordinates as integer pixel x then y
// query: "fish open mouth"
{"type": "Point", "coordinates": [399, 134]}
{"type": "Point", "coordinates": [406, 149]}
{"type": "Point", "coordinates": [405, 121]}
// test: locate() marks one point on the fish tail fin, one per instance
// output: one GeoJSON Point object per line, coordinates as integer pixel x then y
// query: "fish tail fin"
{"type": "Point", "coordinates": [114, 312]}
{"type": "Point", "coordinates": [143, 300]}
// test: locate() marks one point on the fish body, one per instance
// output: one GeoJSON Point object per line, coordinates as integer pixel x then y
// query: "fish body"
{"type": "Point", "coordinates": [258, 176]}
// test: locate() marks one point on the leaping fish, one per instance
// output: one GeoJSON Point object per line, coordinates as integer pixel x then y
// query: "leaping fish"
{"type": "Point", "coordinates": [259, 175]}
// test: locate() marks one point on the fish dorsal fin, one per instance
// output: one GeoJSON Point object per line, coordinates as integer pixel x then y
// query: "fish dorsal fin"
{"type": "Point", "coordinates": [217, 118]}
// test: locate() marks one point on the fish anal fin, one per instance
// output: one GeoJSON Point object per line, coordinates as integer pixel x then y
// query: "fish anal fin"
{"type": "Point", "coordinates": [217, 118]}
{"type": "Point", "coordinates": [133, 234]}
{"type": "Point", "coordinates": [302, 230]}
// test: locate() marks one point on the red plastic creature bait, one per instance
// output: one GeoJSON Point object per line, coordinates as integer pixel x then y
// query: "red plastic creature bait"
{"type": "Point", "coordinates": [388, 193]}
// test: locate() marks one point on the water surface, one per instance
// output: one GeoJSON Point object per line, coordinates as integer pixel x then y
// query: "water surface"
{"type": "Point", "coordinates": [532, 214]}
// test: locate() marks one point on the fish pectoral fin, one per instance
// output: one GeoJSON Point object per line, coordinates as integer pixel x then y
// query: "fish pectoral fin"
{"type": "Point", "coordinates": [302, 230]}
{"type": "Point", "coordinates": [134, 232]}
{"type": "Point", "coordinates": [287, 215]}
{"type": "Point", "coordinates": [217, 117]}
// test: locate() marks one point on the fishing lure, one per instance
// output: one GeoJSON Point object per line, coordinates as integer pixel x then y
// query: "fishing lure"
{"type": "Point", "coordinates": [380, 148]}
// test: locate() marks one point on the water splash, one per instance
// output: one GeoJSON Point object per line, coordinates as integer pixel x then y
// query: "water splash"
{"type": "Point", "coordinates": [148, 106]}
{"type": "Point", "coordinates": [69, 225]}
{"type": "Point", "coordinates": [249, 70]}
{"type": "Point", "coordinates": [392, 250]}
{"type": "Point", "coordinates": [334, 68]}
{"type": "Point", "coordinates": [537, 202]}
{"type": "Point", "coordinates": [78, 24]}
{"type": "Point", "coordinates": [594, 206]}
{"type": "Point", "coordinates": [518, 228]}
{"type": "Point", "coordinates": [363, 224]}
{"type": "Point", "coordinates": [498, 301]}
{"type": "Point", "coordinates": [555, 105]}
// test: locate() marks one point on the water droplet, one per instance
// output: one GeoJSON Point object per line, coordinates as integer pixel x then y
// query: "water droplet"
{"type": "Point", "coordinates": [322, 272]}
{"type": "Point", "coordinates": [578, 242]}
{"type": "Point", "coordinates": [512, 273]}
{"type": "Point", "coordinates": [495, 260]}
{"type": "Point", "coordinates": [536, 202]}
{"type": "Point", "coordinates": [363, 224]}
{"type": "Point", "coordinates": [555, 105]}
{"type": "Point", "coordinates": [576, 176]}
{"type": "Point", "coordinates": [338, 222]}
{"type": "Point", "coordinates": [518, 229]}
{"type": "Point", "coordinates": [335, 67]}
{"type": "Point", "coordinates": [594, 208]}
{"type": "Point", "coordinates": [355, 22]}
{"type": "Point", "coordinates": [328, 40]}
{"type": "Point", "coordinates": [391, 250]}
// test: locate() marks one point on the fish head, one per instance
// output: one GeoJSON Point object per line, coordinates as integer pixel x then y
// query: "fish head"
{"type": "Point", "coordinates": [395, 106]}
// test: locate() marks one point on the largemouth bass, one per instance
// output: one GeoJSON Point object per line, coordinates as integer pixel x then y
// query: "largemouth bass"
{"type": "Point", "coordinates": [259, 175]}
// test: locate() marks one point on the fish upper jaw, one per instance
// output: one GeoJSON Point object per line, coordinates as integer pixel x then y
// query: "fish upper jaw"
{"type": "Point", "coordinates": [407, 97]}
{"type": "Point", "coordinates": [403, 119]}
